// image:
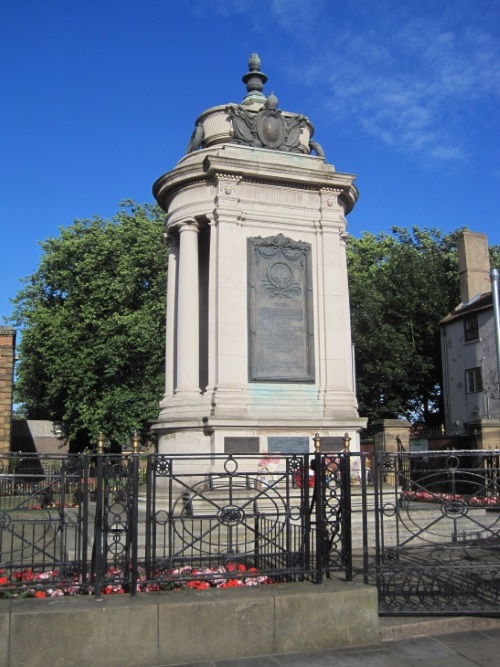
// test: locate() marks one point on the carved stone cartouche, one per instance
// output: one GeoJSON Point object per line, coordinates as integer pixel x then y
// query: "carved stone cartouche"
{"type": "Point", "coordinates": [268, 128]}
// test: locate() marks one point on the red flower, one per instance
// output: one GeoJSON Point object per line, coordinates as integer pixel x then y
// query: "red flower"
{"type": "Point", "coordinates": [231, 583]}
{"type": "Point", "coordinates": [4, 580]}
{"type": "Point", "coordinates": [197, 584]}
{"type": "Point", "coordinates": [40, 594]}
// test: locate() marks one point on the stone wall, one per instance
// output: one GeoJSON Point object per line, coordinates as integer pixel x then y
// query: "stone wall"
{"type": "Point", "coordinates": [186, 626]}
{"type": "Point", "coordinates": [7, 355]}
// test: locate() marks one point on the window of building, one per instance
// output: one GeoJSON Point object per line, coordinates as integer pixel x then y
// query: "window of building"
{"type": "Point", "coordinates": [471, 328]}
{"type": "Point", "coordinates": [474, 380]}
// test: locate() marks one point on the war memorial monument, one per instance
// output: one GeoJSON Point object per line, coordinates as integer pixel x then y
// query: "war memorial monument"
{"type": "Point", "coordinates": [258, 339]}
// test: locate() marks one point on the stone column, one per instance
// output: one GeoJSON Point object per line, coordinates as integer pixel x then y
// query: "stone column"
{"type": "Point", "coordinates": [7, 355]}
{"type": "Point", "coordinates": [170, 361]}
{"type": "Point", "coordinates": [188, 326]}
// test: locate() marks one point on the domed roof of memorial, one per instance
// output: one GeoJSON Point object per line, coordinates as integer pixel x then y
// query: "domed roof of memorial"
{"type": "Point", "coordinates": [256, 121]}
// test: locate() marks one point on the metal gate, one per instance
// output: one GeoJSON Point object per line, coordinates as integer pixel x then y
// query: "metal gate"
{"type": "Point", "coordinates": [436, 519]}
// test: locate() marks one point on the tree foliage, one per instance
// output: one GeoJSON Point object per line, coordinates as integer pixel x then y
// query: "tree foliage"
{"type": "Point", "coordinates": [92, 317]}
{"type": "Point", "coordinates": [495, 257]}
{"type": "Point", "coordinates": [401, 285]}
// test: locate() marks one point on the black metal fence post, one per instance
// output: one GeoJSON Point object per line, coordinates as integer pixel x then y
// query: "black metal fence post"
{"type": "Point", "coordinates": [82, 494]}
{"type": "Point", "coordinates": [98, 555]}
{"type": "Point", "coordinates": [134, 515]}
{"type": "Point", "coordinates": [365, 472]}
{"type": "Point", "coordinates": [346, 510]}
{"type": "Point", "coordinates": [321, 530]}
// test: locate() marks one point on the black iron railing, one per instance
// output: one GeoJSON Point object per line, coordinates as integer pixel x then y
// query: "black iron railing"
{"type": "Point", "coordinates": [424, 527]}
{"type": "Point", "coordinates": [101, 523]}
{"type": "Point", "coordinates": [438, 532]}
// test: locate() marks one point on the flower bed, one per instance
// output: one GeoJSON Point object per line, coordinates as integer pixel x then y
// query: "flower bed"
{"type": "Point", "coordinates": [27, 583]}
{"type": "Point", "coordinates": [472, 501]}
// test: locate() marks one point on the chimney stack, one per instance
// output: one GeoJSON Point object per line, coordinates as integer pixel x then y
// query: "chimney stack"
{"type": "Point", "coordinates": [473, 265]}
{"type": "Point", "coordinates": [7, 356]}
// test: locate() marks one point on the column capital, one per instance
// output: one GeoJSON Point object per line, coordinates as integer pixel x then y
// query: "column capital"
{"type": "Point", "coordinates": [171, 241]}
{"type": "Point", "coordinates": [189, 225]}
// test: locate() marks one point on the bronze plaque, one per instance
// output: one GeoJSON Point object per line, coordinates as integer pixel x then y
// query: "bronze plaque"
{"type": "Point", "coordinates": [288, 444]}
{"type": "Point", "coordinates": [280, 321]}
{"type": "Point", "coordinates": [235, 445]}
{"type": "Point", "coordinates": [331, 444]}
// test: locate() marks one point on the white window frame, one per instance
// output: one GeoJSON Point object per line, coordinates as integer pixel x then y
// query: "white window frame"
{"type": "Point", "coordinates": [467, 337]}
{"type": "Point", "coordinates": [474, 380]}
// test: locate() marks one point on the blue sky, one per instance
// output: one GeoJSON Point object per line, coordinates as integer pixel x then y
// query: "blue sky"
{"type": "Point", "coordinates": [100, 99]}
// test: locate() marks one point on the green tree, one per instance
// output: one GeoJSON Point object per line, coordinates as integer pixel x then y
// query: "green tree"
{"type": "Point", "coordinates": [92, 317]}
{"type": "Point", "coordinates": [401, 285]}
{"type": "Point", "coordinates": [495, 256]}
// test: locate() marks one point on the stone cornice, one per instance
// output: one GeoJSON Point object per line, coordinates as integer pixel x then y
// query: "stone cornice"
{"type": "Point", "coordinates": [254, 165]}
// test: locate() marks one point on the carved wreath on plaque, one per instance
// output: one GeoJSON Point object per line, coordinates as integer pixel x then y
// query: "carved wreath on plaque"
{"type": "Point", "coordinates": [279, 280]}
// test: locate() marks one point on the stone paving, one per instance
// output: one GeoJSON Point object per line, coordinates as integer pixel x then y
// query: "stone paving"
{"type": "Point", "coordinates": [474, 648]}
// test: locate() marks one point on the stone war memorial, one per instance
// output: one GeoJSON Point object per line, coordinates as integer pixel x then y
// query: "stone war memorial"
{"type": "Point", "coordinates": [259, 355]}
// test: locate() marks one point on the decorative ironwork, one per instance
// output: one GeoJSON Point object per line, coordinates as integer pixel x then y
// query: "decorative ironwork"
{"type": "Point", "coordinates": [162, 466]}
{"type": "Point", "coordinates": [426, 531]}
{"type": "Point", "coordinates": [89, 525]}
{"type": "Point", "coordinates": [438, 543]}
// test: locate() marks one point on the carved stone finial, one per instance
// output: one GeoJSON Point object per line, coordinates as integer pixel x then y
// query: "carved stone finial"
{"type": "Point", "coordinates": [254, 62]}
{"type": "Point", "coordinates": [272, 102]}
{"type": "Point", "coordinates": [254, 80]}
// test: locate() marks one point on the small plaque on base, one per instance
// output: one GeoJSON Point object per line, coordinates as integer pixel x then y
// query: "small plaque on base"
{"type": "Point", "coordinates": [234, 445]}
{"type": "Point", "coordinates": [288, 445]}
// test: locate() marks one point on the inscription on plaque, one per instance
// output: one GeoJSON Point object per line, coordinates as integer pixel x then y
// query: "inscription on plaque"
{"type": "Point", "coordinates": [331, 444]}
{"type": "Point", "coordinates": [281, 339]}
{"type": "Point", "coordinates": [288, 445]}
{"type": "Point", "coordinates": [234, 445]}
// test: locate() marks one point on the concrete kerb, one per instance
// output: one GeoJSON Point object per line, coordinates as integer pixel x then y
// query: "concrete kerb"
{"type": "Point", "coordinates": [186, 626]}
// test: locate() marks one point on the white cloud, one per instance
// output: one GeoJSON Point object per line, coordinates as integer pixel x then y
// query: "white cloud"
{"type": "Point", "coordinates": [409, 78]}
{"type": "Point", "coordinates": [414, 74]}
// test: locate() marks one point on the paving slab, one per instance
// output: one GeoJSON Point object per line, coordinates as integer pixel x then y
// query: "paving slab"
{"type": "Point", "coordinates": [465, 648]}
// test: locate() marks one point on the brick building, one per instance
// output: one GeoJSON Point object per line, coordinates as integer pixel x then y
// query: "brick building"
{"type": "Point", "coordinates": [7, 356]}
